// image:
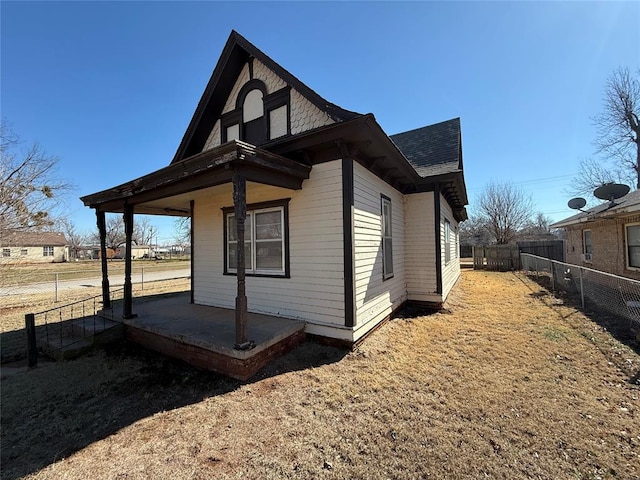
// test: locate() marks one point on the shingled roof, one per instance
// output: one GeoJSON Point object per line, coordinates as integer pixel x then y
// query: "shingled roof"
{"type": "Point", "coordinates": [625, 205]}
{"type": "Point", "coordinates": [33, 239]}
{"type": "Point", "coordinates": [434, 149]}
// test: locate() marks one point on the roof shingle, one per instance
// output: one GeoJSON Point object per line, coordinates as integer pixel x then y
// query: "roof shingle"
{"type": "Point", "coordinates": [434, 149]}
{"type": "Point", "coordinates": [33, 239]}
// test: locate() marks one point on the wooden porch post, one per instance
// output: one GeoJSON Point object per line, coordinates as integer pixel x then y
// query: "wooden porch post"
{"type": "Point", "coordinates": [102, 231]}
{"type": "Point", "coordinates": [240, 211]}
{"type": "Point", "coordinates": [128, 290]}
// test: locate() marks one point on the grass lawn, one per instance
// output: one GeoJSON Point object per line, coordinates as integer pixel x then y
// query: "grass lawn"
{"type": "Point", "coordinates": [507, 383]}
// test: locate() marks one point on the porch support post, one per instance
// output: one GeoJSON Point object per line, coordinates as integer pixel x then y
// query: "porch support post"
{"type": "Point", "coordinates": [240, 212]}
{"type": "Point", "coordinates": [128, 290]}
{"type": "Point", "coordinates": [102, 232]}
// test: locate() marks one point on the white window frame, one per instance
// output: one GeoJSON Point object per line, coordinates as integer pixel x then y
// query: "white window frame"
{"type": "Point", "coordinates": [250, 237]}
{"type": "Point", "coordinates": [626, 244]}
{"type": "Point", "coordinates": [48, 251]}
{"type": "Point", "coordinates": [587, 259]}
{"type": "Point", "coordinates": [24, 252]}
{"type": "Point", "coordinates": [6, 252]}
{"type": "Point", "coordinates": [387, 237]}
{"type": "Point", "coordinates": [447, 241]}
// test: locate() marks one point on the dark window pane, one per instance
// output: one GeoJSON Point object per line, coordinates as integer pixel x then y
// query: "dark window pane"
{"type": "Point", "coordinates": [268, 225]}
{"type": "Point", "coordinates": [232, 260]}
{"type": "Point", "coordinates": [634, 256]}
{"type": "Point", "coordinates": [255, 131]}
{"type": "Point", "coordinates": [388, 256]}
{"type": "Point", "coordinates": [269, 256]}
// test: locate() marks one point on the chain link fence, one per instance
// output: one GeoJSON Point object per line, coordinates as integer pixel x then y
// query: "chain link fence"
{"type": "Point", "coordinates": [28, 288]}
{"type": "Point", "coordinates": [591, 289]}
{"type": "Point", "coordinates": [60, 285]}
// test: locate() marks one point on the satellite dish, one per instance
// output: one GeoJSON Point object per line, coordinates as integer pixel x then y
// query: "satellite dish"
{"type": "Point", "coordinates": [577, 203]}
{"type": "Point", "coordinates": [611, 191]}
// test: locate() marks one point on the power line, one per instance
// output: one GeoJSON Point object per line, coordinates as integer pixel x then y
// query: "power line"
{"type": "Point", "coordinates": [534, 181]}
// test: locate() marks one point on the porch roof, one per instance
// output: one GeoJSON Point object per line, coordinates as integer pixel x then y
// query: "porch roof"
{"type": "Point", "coordinates": [206, 169]}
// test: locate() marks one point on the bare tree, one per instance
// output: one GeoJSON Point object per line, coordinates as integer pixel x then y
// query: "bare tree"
{"type": "Point", "coordinates": [75, 239]}
{"type": "Point", "coordinates": [30, 190]}
{"type": "Point", "coordinates": [594, 173]}
{"type": "Point", "coordinates": [114, 229]}
{"type": "Point", "coordinates": [505, 209]}
{"type": "Point", "coordinates": [618, 124]}
{"type": "Point", "coordinates": [143, 231]}
{"type": "Point", "coordinates": [538, 228]}
{"type": "Point", "coordinates": [474, 231]}
{"type": "Point", "coordinates": [182, 231]}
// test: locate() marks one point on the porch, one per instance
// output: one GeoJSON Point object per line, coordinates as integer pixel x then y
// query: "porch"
{"type": "Point", "coordinates": [205, 336]}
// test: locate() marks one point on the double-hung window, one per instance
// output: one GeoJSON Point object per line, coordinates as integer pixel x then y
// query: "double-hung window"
{"type": "Point", "coordinates": [47, 251]}
{"type": "Point", "coordinates": [387, 239]}
{"type": "Point", "coordinates": [633, 245]}
{"type": "Point", "coordinates": [587, 246]}
{"type": "Point", "coordinates": [447, 241]}
{"type": "Point", "coordinates": [265, 240]}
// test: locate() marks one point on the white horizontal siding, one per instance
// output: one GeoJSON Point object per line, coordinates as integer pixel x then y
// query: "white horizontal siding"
{"type": "Point", "coordinates": [315, 291]}
{"type": "Point", "coordinates": [376, 298]}
{"type": "Point", "coordinates": [451, 270]}
{"type": "Point", "coordinates": [420, 245]}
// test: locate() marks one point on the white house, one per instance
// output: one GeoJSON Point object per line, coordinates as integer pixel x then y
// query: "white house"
{"type": "Point", "coordinates": [341, 223]}
{"type": "Point", "coordinates": [33, 247]}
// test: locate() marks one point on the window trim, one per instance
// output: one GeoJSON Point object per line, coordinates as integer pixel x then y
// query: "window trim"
{"type": "Point", "coordinates": [6, 252]}
{"type": "Point", "coordinates": [282, 203]}
{"type": "Point", "coordinates": [447, 241]}
{"type": "Point", "coordinates": [277, 99]}
{"type": "Point", "coordinates": [384, 199]}
{"type": "Point", "coordinates": [626, 245]}
{"type": "Point", "coordinates": [270, 102]}
{"type": "Point", "coordinates": [48, 251]}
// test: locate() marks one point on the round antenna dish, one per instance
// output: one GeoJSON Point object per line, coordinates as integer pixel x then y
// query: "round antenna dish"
{"type": "Point", "coordinates": [577, 203]}
{"type": "Point", "coordinates": [611, 191]}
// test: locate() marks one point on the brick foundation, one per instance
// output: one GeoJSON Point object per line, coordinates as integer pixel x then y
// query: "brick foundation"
{"type": "Point", "coordinates": [239, 368]}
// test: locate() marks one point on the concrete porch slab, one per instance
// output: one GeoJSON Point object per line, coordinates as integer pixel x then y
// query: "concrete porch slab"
{"type": "Point", "coordinates": [205, 336]}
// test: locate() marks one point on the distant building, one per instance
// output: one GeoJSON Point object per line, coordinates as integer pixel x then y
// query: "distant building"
{"type": "Point", "coordinates": [606, 237]}
{"type": "Point", "coordinates": [33, 247]}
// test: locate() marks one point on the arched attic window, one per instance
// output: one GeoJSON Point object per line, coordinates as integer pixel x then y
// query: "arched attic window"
{"type": "Point", "coordinates": [254, 126]}
{"type": "Point", "coordinates": [258, 117]}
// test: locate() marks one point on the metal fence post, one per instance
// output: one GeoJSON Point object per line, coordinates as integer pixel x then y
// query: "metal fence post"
{"type": "Point", "coordinates": [536, 268]}
{"type": "Point", "coordinates": [581, 288]}
{"type": "Point", "coordinates": [32, 351]}
{"type": "Point", "coordinates": [56, 286]}
{"type": "Point", "coordinates": [553, 279]}
{"type": "Point", "coordinates": [142, 279]}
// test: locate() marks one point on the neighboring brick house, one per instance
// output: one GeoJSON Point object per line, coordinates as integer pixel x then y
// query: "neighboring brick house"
{"type": "Point", "coordinates": [33, 247]}
{"type": "Point", "coordinates": [606, 237]}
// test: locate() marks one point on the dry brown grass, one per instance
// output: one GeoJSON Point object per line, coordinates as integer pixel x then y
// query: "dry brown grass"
{"type": "Point", "coordinates": [503, 386]}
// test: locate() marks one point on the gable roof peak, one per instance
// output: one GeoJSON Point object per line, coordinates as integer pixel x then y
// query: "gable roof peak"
{"type": "Point", "coordinates": [235, 54]}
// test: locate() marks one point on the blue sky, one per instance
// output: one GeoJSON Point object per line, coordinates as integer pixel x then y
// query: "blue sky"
{"type": "Point", "coordinates": [110, 87]}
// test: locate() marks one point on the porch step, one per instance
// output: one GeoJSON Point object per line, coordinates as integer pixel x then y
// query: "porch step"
{"type": "Point", "coordinates": [82, 335]}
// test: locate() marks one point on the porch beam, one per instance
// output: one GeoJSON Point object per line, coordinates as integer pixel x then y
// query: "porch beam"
{"type": "Point", "coordinates": [102, 232]}
{"type": "Point", "coordinates": [240, 212]}
{"type": "Point", "coordinates": [128, 288]}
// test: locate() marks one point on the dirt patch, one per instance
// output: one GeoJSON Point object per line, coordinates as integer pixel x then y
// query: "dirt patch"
{"type": "Point", "coordinates": [502, 386]}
